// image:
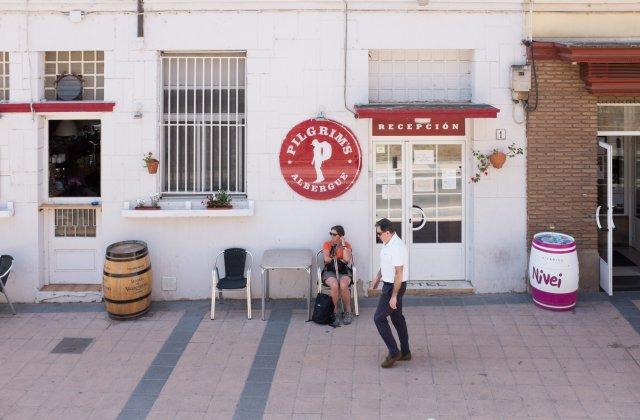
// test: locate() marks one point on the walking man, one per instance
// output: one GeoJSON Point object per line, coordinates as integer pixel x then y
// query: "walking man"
{"type": "Point", "coordinates": [394, 274]}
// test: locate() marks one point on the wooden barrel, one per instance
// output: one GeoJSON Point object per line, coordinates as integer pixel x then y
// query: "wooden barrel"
{"type": "Point", "coordinates": [127, 279]}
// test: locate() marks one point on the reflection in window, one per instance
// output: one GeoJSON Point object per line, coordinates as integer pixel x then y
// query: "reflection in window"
{"type": "Point", "coordinates": [74, 158]}
{"type": "Point", "coordinates": [388, 181]}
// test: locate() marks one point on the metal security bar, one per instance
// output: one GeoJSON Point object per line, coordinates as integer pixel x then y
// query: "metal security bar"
{"type": "Point", "coordinates": [4, 76]}
{"type": "Point", "coordinates": [88, 64]}
{"type": "Point", "coordinates": [204, 123]}
{"type": "Point", "coordinates": [75, 223]}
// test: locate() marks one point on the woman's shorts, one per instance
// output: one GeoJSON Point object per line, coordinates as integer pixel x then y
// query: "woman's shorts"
{"type": "Point", "coordinates": [328, 274]}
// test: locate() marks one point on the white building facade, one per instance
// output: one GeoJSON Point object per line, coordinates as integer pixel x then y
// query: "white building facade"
{"type": "Point", "coordinates": [212, 88]}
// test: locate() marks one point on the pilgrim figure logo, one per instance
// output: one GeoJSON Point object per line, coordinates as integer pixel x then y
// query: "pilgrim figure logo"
{"type": "Point", "coordinates": [321, 153]}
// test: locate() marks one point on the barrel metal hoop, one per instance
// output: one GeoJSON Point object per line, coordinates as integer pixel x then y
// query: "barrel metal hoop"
{"type": "Point", "coordinates": [143, 250]}
{"type": "Point", "coordinates": [128, 316]}
{"type": "Point", "coordinates": [122, 276]}
{"type": "Point", "coordinates": [128, 301]}
{"type": "Point", "coordinates": [127, 259]}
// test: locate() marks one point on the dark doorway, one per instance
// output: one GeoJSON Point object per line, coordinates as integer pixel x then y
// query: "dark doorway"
{"type": "Point", "coordinates": [74, 158]}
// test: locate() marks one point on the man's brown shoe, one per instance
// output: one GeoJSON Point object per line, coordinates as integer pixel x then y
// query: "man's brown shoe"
{"type": "Point", "coordinates": [406, 357]}
{"type": "Point", "coordinates": [390, 361]}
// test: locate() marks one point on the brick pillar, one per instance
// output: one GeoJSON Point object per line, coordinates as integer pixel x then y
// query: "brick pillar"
{"type": "Point", "coordinates": [561, 163]}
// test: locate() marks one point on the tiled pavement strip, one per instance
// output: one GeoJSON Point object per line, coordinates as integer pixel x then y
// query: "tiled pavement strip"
{"type": "Point", "coordinates": [479, 356]}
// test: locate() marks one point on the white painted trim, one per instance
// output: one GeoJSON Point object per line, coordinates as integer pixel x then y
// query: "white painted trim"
{"type": "Point", "coordinates": [618, 133]}
{"type": "Point", "coordinates": [619, 104]}
{"type": "Point", "coordinates": [237, 211]}
{"type": "Point", "coordinates": [8, 211]}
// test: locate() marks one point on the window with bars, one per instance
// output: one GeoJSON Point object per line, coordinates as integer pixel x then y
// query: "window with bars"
{"type": "Point", "coordinates": [75, 223]}
{"type": "Point", "coordinates": [204, 123]}
{"type": "Point", "coordinates": [4, 76]}
{"type": "Point", "coordinates": [87, 64]}
{"type": "Point", "coordinates": [420, 75]}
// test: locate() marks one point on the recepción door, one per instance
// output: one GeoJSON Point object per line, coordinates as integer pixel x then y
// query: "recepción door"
{"type": "Point", "coordinates": [419, 187]}
{"type": "Point", "coordinates": [435, 203]}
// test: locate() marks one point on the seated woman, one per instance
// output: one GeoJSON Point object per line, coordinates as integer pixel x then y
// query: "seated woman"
{"type": "Point", "coordinates": [337, 252]}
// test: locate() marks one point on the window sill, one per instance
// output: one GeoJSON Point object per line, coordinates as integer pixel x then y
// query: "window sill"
{"type": "Point", "coordinates": [8, 211]}
{"type": "Point", "coordinates": [240, 209]}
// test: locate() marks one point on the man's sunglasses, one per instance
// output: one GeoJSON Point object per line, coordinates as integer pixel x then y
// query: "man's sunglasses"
{"type": "Point", "coordinates": [379, 234]}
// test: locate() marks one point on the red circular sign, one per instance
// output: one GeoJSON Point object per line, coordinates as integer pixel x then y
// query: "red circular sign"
{"type": "Point", "coordinates": [320, 159]}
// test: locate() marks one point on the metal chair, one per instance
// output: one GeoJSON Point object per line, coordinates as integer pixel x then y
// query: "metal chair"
{"type": "Point", "coordinates": [353, 289]}
{"type": "Point", "coordinates": [237, 276]}
{"type": "Point", "coordinates": [6, 264]}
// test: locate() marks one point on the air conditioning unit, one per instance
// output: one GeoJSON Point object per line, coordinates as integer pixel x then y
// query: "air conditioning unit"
{"type": "Point", "coordinates": [69, 87]}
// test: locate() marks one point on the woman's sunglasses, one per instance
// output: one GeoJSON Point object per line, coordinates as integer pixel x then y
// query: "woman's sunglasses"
{"type": "Point", "coordinates": [333, 234]}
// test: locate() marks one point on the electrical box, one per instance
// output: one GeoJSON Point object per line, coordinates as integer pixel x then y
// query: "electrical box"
{"type": "Point", "coordinates": [521, 78]}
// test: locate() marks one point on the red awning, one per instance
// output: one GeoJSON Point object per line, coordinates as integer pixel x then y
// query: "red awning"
{"type": "Point", "coordinates": [56, 106]}
{"type": "Point", "coordinates": [425, 110]}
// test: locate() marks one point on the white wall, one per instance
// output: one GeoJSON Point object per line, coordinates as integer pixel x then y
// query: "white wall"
{"type": "Point", "coordinates": [294, 68]}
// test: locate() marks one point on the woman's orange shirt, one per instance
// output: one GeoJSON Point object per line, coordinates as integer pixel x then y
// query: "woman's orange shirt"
{"type": "Point", "coordinates": [339, 250]}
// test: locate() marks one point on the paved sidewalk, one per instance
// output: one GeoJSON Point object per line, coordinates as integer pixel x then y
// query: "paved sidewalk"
{"type": "Point", "coordinates": [495, 356]}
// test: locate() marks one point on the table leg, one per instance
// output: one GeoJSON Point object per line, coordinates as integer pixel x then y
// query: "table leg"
{"type": "Point", "coordinates": [310, 294]}
{"type": "Point", "coordinates": [268, 281]}
{"type": "Point", "coordinates": [263, 290]}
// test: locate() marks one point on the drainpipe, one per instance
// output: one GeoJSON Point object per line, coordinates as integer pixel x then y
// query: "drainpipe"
{"type": "Point", "coordinates": [140, 18]}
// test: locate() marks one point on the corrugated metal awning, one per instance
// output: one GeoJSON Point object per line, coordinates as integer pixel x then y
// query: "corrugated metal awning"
{"type": "Point", "coordinates": [425, 110]}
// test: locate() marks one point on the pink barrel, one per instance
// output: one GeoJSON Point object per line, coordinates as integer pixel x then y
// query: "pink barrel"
{"type": "Point", "coordinates": [553, 271]}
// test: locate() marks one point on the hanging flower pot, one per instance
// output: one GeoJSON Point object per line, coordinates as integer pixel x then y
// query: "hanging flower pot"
{"type": "Point", "coordinates": [152, 166]}
{"type": "Point", "coordinates": [151, 163]}
{"type": "Point", "coordinates": [497, 159]}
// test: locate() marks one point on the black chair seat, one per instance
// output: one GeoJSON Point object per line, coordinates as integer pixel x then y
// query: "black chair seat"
{"type": "Point", "coordinates": [232, 282]}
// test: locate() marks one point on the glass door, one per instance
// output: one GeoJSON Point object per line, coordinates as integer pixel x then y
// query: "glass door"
{"type": "Point", "coordinates": [435, 206]}
{"type": "Point", "coordinates": [419, 186]}
{"type": "Point", "coordinates": [604, 216]}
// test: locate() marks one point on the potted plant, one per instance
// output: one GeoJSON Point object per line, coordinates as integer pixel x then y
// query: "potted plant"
{"type": "Point", "coordinates": [151, 163]}
{"type": "Point", "coordinates": [221, 200]}
{"type": "Point", "coordinates": [496, 159]}
{"type": "Point", "coordinates": [154, 205]}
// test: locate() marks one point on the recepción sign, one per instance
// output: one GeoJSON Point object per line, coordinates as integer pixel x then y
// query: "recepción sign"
{"type": "Point", "coordinates": [436, 126]}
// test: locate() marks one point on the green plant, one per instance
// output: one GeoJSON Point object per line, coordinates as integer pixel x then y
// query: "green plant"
{"type": "Point", "coordinates": [220, 199]}
{"type": "Point", "coordinates": [148, 158]}
{"type": "Point", "coordinates": [483, 162]}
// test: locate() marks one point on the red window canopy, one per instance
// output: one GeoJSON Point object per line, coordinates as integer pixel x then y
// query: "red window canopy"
{"type": "Point", "coordinates": [425, 110]}
{"type": "Point", "coordinates": [56, 106]}
{"type": "Point", "coordinates": [605, 68]}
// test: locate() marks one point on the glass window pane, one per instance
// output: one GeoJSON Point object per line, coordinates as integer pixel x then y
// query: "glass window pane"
{"type": "Point", "coordinates": [450, 168]}
{"type": "Point", "coordinates": [449, 218]}
{"type": "Point", "coordinates": [388, 179]}
{"type": "Point", "coordinates": [424, 206]}
{"type": "Point", "coordinates": [619, 118]}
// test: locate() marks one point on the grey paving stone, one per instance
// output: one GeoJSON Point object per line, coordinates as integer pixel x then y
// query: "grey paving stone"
{"type": "Point", "coordinates": [158, 372]}
{"type": "Point", "coordinates": [72, 345]}
{"type": "Point", "coordinates": [261, 375]}
{"type": "Point", "coordinates": [149, 387]}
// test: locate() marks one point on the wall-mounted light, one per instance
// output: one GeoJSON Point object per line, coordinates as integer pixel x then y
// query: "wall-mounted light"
{"type": "Point", "coordinates": [76, 16]}
{"type": "Point", "coordinates": [422, 120]}
{"type": "Point", "coordinates": [138, 113]}
{"type": "Point", "coordinates": [423, 2]}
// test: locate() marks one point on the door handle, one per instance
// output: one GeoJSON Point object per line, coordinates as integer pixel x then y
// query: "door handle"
{"type": "Point", "coordinates": [598, 217]}
{"type": "Point", "coordinates": [424, 218]}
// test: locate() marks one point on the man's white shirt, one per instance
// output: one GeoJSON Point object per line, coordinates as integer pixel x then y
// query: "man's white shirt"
{"type": "Point", "coordinates": [393, 254]}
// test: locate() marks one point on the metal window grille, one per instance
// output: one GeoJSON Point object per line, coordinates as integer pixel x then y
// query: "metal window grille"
{"type": "Point", "coordinates": [75, 223]}
{"type": "Point", "coordinates": [420, 75]}
{"type": "Point", "coordinates": [4, 76]}
{"type": "Point", "coordinates": [88, 64]}
{"type": "Point", "coordinates": [204, 123]}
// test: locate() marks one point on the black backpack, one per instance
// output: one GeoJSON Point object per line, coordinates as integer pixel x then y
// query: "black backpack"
{"type": "Point", "coordinates": [323, 310]}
